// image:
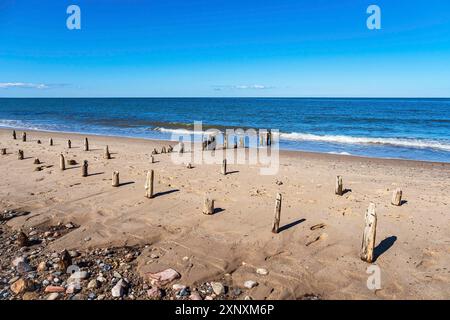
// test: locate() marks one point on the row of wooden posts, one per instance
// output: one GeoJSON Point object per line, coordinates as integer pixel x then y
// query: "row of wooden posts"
{"type": "Point", "coordinates": [369, 234]}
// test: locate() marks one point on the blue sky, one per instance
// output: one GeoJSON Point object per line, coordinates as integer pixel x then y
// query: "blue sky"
{"type": "Point", "coordinates": [173, 48]}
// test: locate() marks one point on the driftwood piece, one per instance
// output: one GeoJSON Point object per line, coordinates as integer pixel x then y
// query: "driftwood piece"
{"type": "Point", "coordinates": [84, 169]}
{"type": "Point", "coordinates": [397, 197]}
{"type": "Point", "coordinates": [276, 220]}
{"type": "Point", "coordinates": [107, 155]}
{"type": "Point", "coordinates": [86, 144]}
{"type": "Point", "coordinates": [368, 242]}
{"type": "Point", "coordinates": [152, 159]}
{"type": "Point", "coordinates": [62, 162]}
{"type": "Point", "coordinates": [208, 206]}
{"type": "Point", "coordinates": [149, 184]}
{"type": "Point", "coordinates": [20, 155]}
{"type": "Point", "coordinates": [225, 141]}
{"type": "Point", "coordinates": [339, 189]}
{"type": "Point", "coordinates": [115, 179]}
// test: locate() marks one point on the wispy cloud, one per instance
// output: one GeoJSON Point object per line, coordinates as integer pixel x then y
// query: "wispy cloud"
{"type": "Point", "coordinates": [244, 87]}
{"type": "Point", "coordinates": [23, 85]}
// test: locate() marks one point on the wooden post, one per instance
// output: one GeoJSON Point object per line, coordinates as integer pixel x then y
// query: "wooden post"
{"type": "Point", "coordinates": [169, 149]}
{"type": "Point", "coordinates": [368, 242]}
{"type": "Point", "coordinates": [20, 155]}
{"type": "Point", "coordinates": [39, 142]}
{"type": "Point", "coordinates": [115, 179]}
{"type": "Point", "coordinates": [276, 221]}
{"type": "Point", "coordinates": [84, 169]}
{"type": "Point", "coordinates": [189, 166]}
{"type": "Point", "coordinates": [152, 159]}
{"type": "Point", "coordinates": [69, 144]}
{"type": "Point", "coordinates": [204, 145]}
{"type": "Point", "coordinates": [14, 135]}
{"type": "Point", "coordinates": [3, 151]}
{"type": "Point", "coordinates": [50, 142]}
{"type": "Point", "coordinates": [241, 142]}
{"type": "Point", "coordinates": [339, 189]}
{"type": "Point", "coordinates": [163, 150]}
{"type": "Point", "coordinates": [208, 206]}
{"type": "Point", "coordinates": [22, 240]}
{"type": "Point", "coordinates": [86, 144]}
{"type": "Point", "coordinates": [24, 136]}
{"type": "Point", "coordinates": [225, 141]}
{"type": "Point", "coordinates": [224, 167]}
{"type": "Point", "coordinates": [149, 184]}
{"type": "Point", "coordinates": [154, 151]}
{"type": "Point", "coordinates": [62, 163]}
{"type": "Point", "coordinates": [181, 147]}
{"type": "Point", "coordinates": [37, 161]}
{"type": "Point", "coordinates": [397, 197]}
{"type": "Point", "coordinates": [107, 155]}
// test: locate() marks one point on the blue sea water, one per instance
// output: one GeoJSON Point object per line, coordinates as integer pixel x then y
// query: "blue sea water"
{"type": "Point", "coordinates": [416, 129]}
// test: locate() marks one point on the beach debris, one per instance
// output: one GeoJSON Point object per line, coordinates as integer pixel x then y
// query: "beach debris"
{"type": "Point", "coordinates": [249, 284]}
{"type": "Point", "coordinates": [262, 271]}
{"type": "Point", "coordinates": [107, 155]}
{"type": "Point", "coordinates": [37, 161]}
{"type": "Point", "coordinates": [278, 182]}
{"type": "Point", "coordinates": [50, 142]}
{"type": "Point", "coordinates": [38, 168]}
{"type": "Point", "coordinates": [397, 197]}
{"type": "Point", "coordinates": [22, 240]}
{"type": "Point", "coordinates": [62, 162]}
{"type": "Point", "coordinates": [69, 144]}
{"type": "Point", "coordinates": [208, 206]}
{"type": "Point", "coordinates": [20, 155]}
{"type": "Point", "coordinates": [24, 136]}
{"type": "Point", "coordinates": [14, 135]}
{"type": "Point", "coordinates": [84, 169]}
{"type": "Point", "coordinates": [276, 221]}
{"type": "Point", "coordinates": [164, 277]}
{"type": "Point", "coordinates": [115, 179]}
{"type": "Point", "coordinates": [3, 151]}
{"type": "Point", "coordinates": [339, 189]}
{"type": "Point", "coordinates": [321, 237]}
{"type": "Point", "coordinates": [224, 167]}
{"type": "Point", "coordinates": [218, 288]}
{"type": "Point", "coordinates": [368, 242]}
{"type": "Point", "coordinates": [317, 226]}
{"type": "Point", "coordinates": [149, 184]}
{"type": "Point", "coordinates": [86, 144]}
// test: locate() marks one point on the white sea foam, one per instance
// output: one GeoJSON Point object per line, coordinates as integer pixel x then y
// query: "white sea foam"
{"type": "Point", "coordinates": [182, 131]}
{"type": "Point", "coordinates": [396, 142]}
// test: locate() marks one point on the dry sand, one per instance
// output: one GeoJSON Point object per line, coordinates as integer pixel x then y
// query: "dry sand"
{"type": "Point", "coordinates": [414, 241]}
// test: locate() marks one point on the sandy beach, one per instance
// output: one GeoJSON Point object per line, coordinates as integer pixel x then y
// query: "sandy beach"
{"type": "Point", "coordinates": [413, 240]}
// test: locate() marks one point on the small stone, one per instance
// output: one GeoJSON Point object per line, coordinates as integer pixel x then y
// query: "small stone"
{"type": "Point", "coordinates": [164, 277]}
{"type": "Point", "coordinates": [185, 258]}
{"type": "Point", "coordinates": [154, 256]}
{"type": "Point", "coordinates": [21, 286]}
{"type": "Point", "coordinates": [119, 289]}
{"type": "Point", "coordinates": [92, 296]}
{"type": "Point", "coordinates": [69, 226]}
{"type": "Point", "coordinates": [42, 266]}
{"type": "Point", "coordinates": [154, 293]}
{"type": "Point", "coordinates": [74, 254]}
{"type": "Point", "coordinates": [101, 297]}
{"type": "Point", "coordinates": [250, 284]}
{"type": "Point", "coordinates": [129, 257]}
{"type": "Point", "coordinates": [183, 292]}
{"type": "Point", "coordinates": [178, 287]}
{"type": "Point", "coordinates": [218, 288]}
{"type": "Point", "coordinates": [117, 275]}
{"type": "Point", "coordinates": [262, 271]}
{"type": "Point", "coordinates": [53, 296]}
{"type": "Point", "coordinates": [53, 289]}
{"type": "Point", "coordinates": [73, 288]}
{"type": "Point", "coordinates": [93, 284]}
{"type": "Point", "coordinates": [101, 279]}
{"type": "Point", "coordinates": [195, 296]}
{"type": "Point", "coordinates": [12, 280]}
{"type": "Point", "coordinates": [209, 298]}
{"type": "Point", "coordinates": [248, 298]}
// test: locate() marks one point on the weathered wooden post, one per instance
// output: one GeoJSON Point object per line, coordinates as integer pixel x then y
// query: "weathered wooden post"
{"type": "Point", "coordinates": [69, 144]}
{"type": "Point", "coordinates": [107, 155]}
{"type": "Point", "coordinates": [208, 206]}
{"type": "Point", "coordinates": [339, 189]}
{"type": "Point", "coordinates": [163, 150]}
{"type": "Point", "coordinates": [152, 159]}
{"type": "Point", "coordinates": [24, 136]}
{"type": "Point", "coordinates": [3, 151]}
{"type": "Point", "coordinates": [20, 155]}
{"type": "Point", "coordinates": [149, 184]}
{"type": "Point", "coordinates": [225, 141]}
{"type": "Point", "coordinates": [115, 179]}
{"type": "Point", "coordinates": [50, 142]}
{"type": "Point", "coordinates": [241, 142]}
{"type": "Point", "coordinates": [276, 221]}
{"type": "Point", "coordinates": [169, 149]}
{"type": "Point", "coordinates": [397, 197]}
{"type": "Point", "coordinates": [224, 167]}
{"type": "Point", "coordinates": [204, 145]}
{"type": "Point", "coordinates": [14, 135]}
{"type": "Point", "coordinates": [86, 144]}
{"type": "Point", "coordinates": [62, 162]}
{"type": "Point", "coordinates": [368, 242]}
{"type": "Point", "coordinates": [181, 147]}
{"type": "Point", "coordinates": [37, 161]}
{"type": "Point", "coordinates": [154, 151]}
{"type": "Point", "coordinates": [84, 169]}
{"type": "Point", "coordinates": [269, 137]}
{"type": "Point", "coordinates": [38, 142]}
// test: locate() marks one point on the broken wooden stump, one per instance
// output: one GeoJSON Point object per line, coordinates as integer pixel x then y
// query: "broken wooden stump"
{"type": "Point", "coordinates": [208, 206]}
{"type": "Point", "coordinates": [71, 162]}
{"type": "Point", "coordinates": [149, 184]}
{"type": "Point", "coordinates": [39, 142]}
{"type": "Point", "coordinates": [115, 179]}
{"type": "Point", "coordinates": [107, 155]}
{"type": "Point", "coordinates": [24, 136]}
{"type": "Point", "coordinates": [339, 189]}
{"type": "Point", "coordinates": [22, 240]}
{"type": "Point", "coordinates": [152, 159]}
{"type": "Point", "coordinates": [62, 163]}
{"type": "Point", "coordinates": [397, 197]}
{"type": "Point", "coordinates": [368, 242]}
{"type": "Point", "coordinates": [86, 144]}
{"type": "Point", "coordinates": [50, 142]}
{"type": "Point", "coordinates": [169, 149]}
{"type": "Point", "coordinates": [3, 151]}
{"type": "Point", "coordinates": [84, 169]}
{"type": "Point", "coordinates": [69, 144]}
{"type": "Point", "coordinates": [181, 148]}
{"type": "Point", "coordinates": [20, 155]}
{"type": "Point", "coordinates": [224, 167]}
{"type": "Point", "coordinates": [276, 221]}
{"type": "Point", "coordinates": [14, 135]}
{"type": "Point", "coordinates": [163, 150]}
{"type": "Point", "coordinates": [154, 151]}
{"type": "Point", "coordinates": [37, 161]}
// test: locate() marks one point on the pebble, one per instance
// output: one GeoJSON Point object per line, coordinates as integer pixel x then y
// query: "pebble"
{"type": "Point", "coordinates": [178, 287]}
{"type": "Point", "coordinates": [12, 280]}
{"type": "Point", "coordinates": [154, 256]}
{"type": "Point", "coordinates": [42, 266]}
{"type": "Point", "coordinates": [218, 288]}
{"type": "Point", "coordinates": [119, 289]}
{"type": "Point", "coordinates": [21, 286]}
{"type": "Point", "coordinates": [93, 284]}
{"type": "Point", "coordinates": [262, 271]}
{"type": "Point", "coordinates": [248, 298]}
{"type": "Point", "coordinates": [250, 284]}
{"type": "Point", "coordinates": [101, 279]}
{"type": "Point", "coordinates": [117, 275]}
{"type": "Point", "coordinates": [195, 296]}
{"type": "Point", "coordinates": [54, 289]}
{"type": "Point", "coordinates": [154, 293]}
{"type": "Point", "coordinates": [53, 296]}
{"type": "Point", "coordinates": [183, 292]}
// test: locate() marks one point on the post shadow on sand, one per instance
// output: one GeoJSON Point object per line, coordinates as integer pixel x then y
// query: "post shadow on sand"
{"type": "Point", "coordinates": [95, 174]}
{"type": "Point", "coordinates": [346, 191]}
{"type": "Point", "coordinates": [383, 246]}
{"type": "Point", "coordinates": [290, 225]}
{"type": "Point", "coordinates": [125, 183]}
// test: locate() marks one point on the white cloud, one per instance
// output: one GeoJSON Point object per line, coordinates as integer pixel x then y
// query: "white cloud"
{"type": "Point", "coordinates": [25, 85]}
{"type": "Point", "coordinates": [244, 87]}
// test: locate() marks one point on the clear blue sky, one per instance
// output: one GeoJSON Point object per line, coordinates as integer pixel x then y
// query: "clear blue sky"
{"type": "Point", "coordinates": [171, 48]}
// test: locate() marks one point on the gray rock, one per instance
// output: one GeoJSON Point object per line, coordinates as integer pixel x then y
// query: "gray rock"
{"type": "Point", "coordinates": [218, 288]}
{"type": "Point", "coordinates": [249, 284]}
{"type": "Point", "coordinates": [119, 289]}
{"type": "Point", "coordinates": [93, 284]}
